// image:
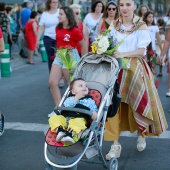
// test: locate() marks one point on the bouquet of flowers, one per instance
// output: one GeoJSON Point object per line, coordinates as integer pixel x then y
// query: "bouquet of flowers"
{"type": "Point", "coordinates": [107, 44]}
{"type": "Point", "coordinates": [67, 58]}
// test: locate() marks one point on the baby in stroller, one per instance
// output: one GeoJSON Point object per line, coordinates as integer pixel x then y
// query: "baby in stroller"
{"type": "Point", "coordinates": [68, 124]}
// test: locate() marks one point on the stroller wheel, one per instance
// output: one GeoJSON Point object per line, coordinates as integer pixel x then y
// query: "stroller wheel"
{"type": "Point", "coordinates": [113, 164]}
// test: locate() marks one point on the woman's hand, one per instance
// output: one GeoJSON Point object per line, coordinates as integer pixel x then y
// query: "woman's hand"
{"type": "Point", "coordinates": [166, 59]}
{"type": "Point", "coordinates": [118, 54]}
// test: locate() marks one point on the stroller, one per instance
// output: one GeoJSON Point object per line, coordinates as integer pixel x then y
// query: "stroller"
{"type": "Point", "coordinates": [100, 72]}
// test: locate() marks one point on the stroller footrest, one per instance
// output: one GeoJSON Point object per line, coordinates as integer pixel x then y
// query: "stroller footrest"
{"type": "Point", "coordinates": [91, 151]}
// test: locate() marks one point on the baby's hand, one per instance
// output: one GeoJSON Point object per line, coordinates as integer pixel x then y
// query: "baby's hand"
{"type": "Point", "coordinates": [79, 96]}
{"type": "Point", "coordinates": [94, 116]}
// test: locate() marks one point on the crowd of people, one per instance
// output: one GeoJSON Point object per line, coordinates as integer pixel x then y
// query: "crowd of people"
{"type": "Point", "coordinates": [146, 36]}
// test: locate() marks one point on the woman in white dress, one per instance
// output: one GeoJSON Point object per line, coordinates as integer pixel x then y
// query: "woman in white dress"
{"type": "Point", "coordinates": [92, 19]}
{"type": "Point", "coordinates": [140, 109]}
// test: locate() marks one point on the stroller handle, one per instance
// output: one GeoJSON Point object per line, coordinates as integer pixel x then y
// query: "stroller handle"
{"type": "Point", "coordinates": [75, 110]}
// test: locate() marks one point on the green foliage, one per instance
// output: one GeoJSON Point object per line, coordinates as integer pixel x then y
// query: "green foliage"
{"type": "Point", "coordinates": [114, 49]}
{"type": "Point", "coordinates": [66, 57]}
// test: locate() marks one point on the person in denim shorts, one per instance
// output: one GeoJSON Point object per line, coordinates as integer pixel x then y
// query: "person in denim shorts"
{"type": "Point", "coordinates": [67, 35]}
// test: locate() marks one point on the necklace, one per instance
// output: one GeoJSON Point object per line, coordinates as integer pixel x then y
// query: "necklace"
{"type": "Point", "coordinates": [137, 22]}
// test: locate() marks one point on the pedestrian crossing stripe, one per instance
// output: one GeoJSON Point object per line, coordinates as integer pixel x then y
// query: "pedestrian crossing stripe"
{"type": "Point", "coordinates": [37, 127]}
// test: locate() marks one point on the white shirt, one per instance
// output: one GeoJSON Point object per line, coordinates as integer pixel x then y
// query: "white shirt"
{"type": "Point", "coordinates": [50, 21]}
{"type": "Point", "coordinates": [153, 30]}
{"type": "Point", "coordinates": [133, 41]}
{"type": "Point", "coordinates": [166, 18]}
{"type": "Point", "coordinates": [91, 23]}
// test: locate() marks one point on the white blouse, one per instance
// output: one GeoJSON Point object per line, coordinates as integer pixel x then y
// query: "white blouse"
{"type": "Point", "coordinates": [50, 21]}
{"type": "Point", "coordinates": [137, 39]}
{"type": "Point", "coordinates": [90, 22]}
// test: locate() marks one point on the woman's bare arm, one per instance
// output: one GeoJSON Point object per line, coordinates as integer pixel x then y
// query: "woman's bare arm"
{"type": "Point", "coordinates": [137, 53]}
{"type": "Point", "coordinates": [40, 32]}
{"type": "Point", "coordinates": [2, 48]}
{"type": "Point", "coordinates": [86, 36]}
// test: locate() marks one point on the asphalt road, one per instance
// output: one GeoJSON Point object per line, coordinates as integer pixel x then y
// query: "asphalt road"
{"type": "Point", "coordinates": [25, 100]}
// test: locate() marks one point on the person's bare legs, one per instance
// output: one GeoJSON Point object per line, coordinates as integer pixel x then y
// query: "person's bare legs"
{"type": "Point", "coordinates": [66, 76]}
{"type": "Point", "coordinates": [160, 71]}
{"type": "Point", "coordinates": [30, 56]}
{"type": "Point", "coordinates": [55, 77]}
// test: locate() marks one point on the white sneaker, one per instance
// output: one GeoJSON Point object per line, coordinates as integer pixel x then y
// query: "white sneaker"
{"type": "Point", "coordinates": [60, 135]}
{"type": "Point", "coordinates": [51, 114]}
{"type": "Point", "coordinates": [67, 140]}
{"type": "Point", "coordinates": [168, 94]}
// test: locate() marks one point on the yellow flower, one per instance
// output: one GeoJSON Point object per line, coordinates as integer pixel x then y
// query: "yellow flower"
{"type": "Point", "coordinates": [94, 48]}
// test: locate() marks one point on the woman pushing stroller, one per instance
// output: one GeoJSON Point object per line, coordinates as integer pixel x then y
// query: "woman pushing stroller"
{"type": "Point", "coordinates": [69, 124]}
{"type": "Point", "coordinates": [140, 109]}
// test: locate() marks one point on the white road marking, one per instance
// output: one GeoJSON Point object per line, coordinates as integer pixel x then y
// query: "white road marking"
{"type": "Point", "coordinates": [36, 127]}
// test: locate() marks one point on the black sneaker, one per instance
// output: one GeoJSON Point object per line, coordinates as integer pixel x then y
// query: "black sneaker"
{"type": "Point", "coordinates": [22, 54]}
{"type": "Point", "coordinates": [2, 125]}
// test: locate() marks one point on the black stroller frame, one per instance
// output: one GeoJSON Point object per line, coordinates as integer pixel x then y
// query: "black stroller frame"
{"type": "Point", "coordinates": [85, 151]}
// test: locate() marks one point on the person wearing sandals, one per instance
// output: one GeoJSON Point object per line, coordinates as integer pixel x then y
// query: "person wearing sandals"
{"type": "Point", "coordinates": [167, 59]}
{"type": "Point", "coordinates": [68, 36]}
{"type": "Point", "coordinates": [31, 29]}
{"type": "Point", "coordinates": [77, 122]}
{"type": "Point", "coordinates": [140, 109]}
{"type": "Point", "coordinates": [110, 13]}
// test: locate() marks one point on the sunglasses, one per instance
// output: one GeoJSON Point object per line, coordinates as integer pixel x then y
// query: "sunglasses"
{"type": "Point", "coordinates": [77, 13]}
{"type": "Point", "coordinates": [111, 9]}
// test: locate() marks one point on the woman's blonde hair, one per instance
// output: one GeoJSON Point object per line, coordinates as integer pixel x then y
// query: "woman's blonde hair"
{"type": "Point", "coordinates": [140, 9]}
{"type": "Point", "coordinates": [76, 6]}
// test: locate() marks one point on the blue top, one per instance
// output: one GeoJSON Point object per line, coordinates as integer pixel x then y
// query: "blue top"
{"type": "Point", "coordinates": [25, 15]}
{"type": "Point", "coordinates": [88, 102]}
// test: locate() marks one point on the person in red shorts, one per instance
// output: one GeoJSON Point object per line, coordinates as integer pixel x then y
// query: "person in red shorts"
{"type": "Point", "coordinates": [31, 29]}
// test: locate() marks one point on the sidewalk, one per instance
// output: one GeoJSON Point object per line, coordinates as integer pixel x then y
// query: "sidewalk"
{"type": "Point", "coordinates": [18, 62]}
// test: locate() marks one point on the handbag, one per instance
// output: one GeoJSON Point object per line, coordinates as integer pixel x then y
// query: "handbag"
{"type": "Point", "coordinates": [116, 100]}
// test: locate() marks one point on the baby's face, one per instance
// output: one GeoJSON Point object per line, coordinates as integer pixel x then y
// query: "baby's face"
{"type": "Point", "coordinates": [80, 86]}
